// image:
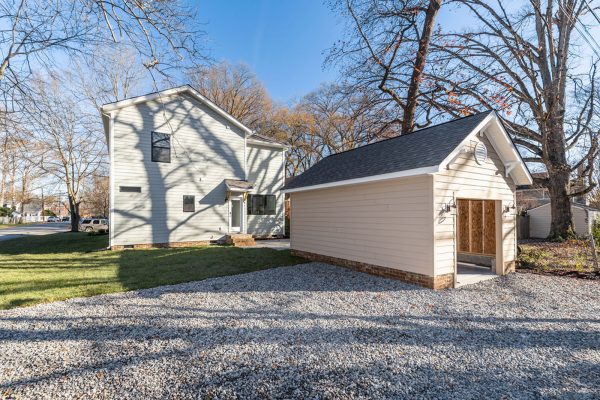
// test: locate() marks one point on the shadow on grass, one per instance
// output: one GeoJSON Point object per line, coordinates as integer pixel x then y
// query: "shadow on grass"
{"type": "Point", "coordinates": [64, 265]}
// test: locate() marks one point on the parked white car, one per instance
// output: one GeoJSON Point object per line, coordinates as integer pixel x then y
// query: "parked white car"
{"type": "Point", "coordinates": [53, 219]}
{"type": "Point", "coordinates": [93, 225]}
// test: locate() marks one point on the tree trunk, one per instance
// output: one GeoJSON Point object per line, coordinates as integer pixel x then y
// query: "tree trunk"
{"type": "Point", "coordinates": [74, 211]}
{"type": "Point", "coordinates": [560, 205]}
{"type": "Point", "coordinates": [408, 119]}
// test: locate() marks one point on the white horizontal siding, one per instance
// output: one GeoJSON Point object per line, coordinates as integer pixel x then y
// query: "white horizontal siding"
{"type": "Point", "coordinates": [467, 179]}
{"type": "Point", "coordinates": [205, 150]}
{"type": "Point", "coordinates": [389, 223]}
{"type": "Point", "coordinates": [540, 219]}
{"type": "Point", "coordinates": [265, 170]}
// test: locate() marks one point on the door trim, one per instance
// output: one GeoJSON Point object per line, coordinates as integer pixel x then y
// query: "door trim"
{"type": "Point", "coordinates": [233, 229]}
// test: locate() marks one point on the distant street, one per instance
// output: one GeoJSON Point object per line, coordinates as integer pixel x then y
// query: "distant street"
{"type": "Point", "coordinates": [33, 230]}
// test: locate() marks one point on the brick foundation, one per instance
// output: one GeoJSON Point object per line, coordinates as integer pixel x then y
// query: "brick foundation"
{"type": "Point", "coordinates": [161, 245]}
{"type": "Point", "coordinates": [433, 282]}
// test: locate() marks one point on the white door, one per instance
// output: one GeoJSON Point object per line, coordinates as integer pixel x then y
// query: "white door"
{"type": "Point", "coordinates": [235, 214]}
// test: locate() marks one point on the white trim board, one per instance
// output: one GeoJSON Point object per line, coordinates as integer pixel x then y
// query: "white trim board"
{"type": "Point", "coordinates": [367, 179]}
{"type": "Point", "coordinates": [266, 144]}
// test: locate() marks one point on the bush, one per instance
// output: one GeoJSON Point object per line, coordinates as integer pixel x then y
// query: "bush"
{"type": "Point", "coordinates": [6, 211]}
{"type": "Point", "coordinates": [596, 231]}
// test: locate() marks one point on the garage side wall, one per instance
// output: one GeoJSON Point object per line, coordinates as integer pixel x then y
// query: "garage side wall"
{"type": "Point", "coordinates": [466, 179]}
{"type": "Point", "coordinates": [387, 224]}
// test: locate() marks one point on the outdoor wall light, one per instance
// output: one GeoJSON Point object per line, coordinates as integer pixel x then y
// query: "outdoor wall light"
{"type": "Point", "coordinates": [449, 206]}
{"type": "Point", "coordinates": [509, 207]}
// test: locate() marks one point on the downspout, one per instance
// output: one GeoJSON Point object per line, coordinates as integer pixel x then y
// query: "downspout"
{"type": "Point", "coordinates": [111, 180]}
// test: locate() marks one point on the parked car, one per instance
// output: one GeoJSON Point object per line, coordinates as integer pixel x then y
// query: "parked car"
{"type": "Point", "coordinates": [66, 219]}
{"type": "Point", "coordinates": [93, 225]}
{"type": "Point", "coordinates": [53, 219]}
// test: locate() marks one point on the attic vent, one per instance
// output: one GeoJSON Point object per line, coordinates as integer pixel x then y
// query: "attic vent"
{"type": "Point", "coordinates": [480, 153]}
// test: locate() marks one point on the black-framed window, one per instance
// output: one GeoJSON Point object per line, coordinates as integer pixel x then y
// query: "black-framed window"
{"type": "Point", "coordinates": [262, 204]}
{"type": "Point", "coordinates": [161, 147]}
{"type": "Point", "coordinates": [189, 203]}
{"type": "Point", "coordinates": [130, 189]}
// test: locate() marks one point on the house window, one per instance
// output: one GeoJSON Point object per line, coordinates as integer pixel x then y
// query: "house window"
{"type": "Point", "coordinates": [161, 147]}
{"type": "Point", "coordinates": [260, 204]}
{"type": "Point", "coordinates": [189, 204]}
{"type": "Point", "coordinates": [130, 189]}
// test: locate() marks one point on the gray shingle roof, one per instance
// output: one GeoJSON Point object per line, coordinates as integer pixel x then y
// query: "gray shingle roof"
{"type": "Point", "coordinates": [423, 148]}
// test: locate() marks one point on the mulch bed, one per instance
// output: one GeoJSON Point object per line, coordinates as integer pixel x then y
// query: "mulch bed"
{"type": "Point", "coordinates": [572, 258]}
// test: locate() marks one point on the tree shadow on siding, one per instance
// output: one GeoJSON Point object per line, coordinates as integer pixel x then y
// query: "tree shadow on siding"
{"type": "Point", "coordinates": [188, 168]}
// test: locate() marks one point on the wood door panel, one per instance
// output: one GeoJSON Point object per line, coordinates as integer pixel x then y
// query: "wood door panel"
{"type": "Point", "coordinates": [476, 226]}
{"type": "Point", "coordinates": [463, 226]}
{"type": "Point", "coordinates": [489, 227]}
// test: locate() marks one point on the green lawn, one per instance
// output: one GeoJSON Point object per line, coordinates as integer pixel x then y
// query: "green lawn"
{"type": "Point", "coordinates": [64, 265]}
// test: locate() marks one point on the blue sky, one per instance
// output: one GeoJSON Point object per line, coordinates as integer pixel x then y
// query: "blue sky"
{"type": "Point", "coordinates": [285, 41]}
{"type": "Point", "coordinates": [282, 41]}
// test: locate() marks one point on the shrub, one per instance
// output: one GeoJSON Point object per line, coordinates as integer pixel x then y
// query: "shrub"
{"type": "Point", "coordinates": [6, 211]}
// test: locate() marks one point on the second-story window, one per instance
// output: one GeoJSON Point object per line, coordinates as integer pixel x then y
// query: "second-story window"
{"type": "Point", "coordinates": [161, 147]}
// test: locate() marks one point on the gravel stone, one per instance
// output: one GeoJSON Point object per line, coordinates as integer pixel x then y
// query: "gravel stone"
{"type": "Point", "coordinates": [310, 331]}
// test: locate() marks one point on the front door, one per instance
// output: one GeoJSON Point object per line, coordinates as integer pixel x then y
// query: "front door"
{"type": "Point", "coordinates": [235, 214]}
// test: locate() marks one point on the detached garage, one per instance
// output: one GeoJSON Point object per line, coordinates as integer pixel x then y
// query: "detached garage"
{"type": "Point", "coordinates": [416, 207]}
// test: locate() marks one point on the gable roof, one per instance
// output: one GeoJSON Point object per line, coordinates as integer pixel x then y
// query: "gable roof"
{"type": "Point", "coordinates": [187, 89]}
{"type": "Point", "coordinates": [184, 89]}
{"type": "Point", "coordinates": [421, 152]}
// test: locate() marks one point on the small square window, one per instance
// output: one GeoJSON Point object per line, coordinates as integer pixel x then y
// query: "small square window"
{"type": "Point", "coordinates": [189, 203]}
{"type": "Point", "coordinates": [161, 147]}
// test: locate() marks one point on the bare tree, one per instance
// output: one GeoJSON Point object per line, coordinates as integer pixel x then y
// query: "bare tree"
{"type": "Point", "coordinates": [525, 63]}
{"type": "Point", "coordinates": [107, 76]}
{"type": "Point", "coordinates": [386, 49]}
{"type": "Point", "coordinates": [234, 88]}
{"type": "Point", "coordinates": [71, 147]}
{"type": "Point", "coordinates": [37, 33]}
{"type": "Point", "coordinates": [96, 195]}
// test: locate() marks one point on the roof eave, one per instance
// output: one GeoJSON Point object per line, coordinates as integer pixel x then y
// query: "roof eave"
{"type": "Point", "coordinates": [368, 179]}
{"type": "Point", "coordinates": [266, 144]}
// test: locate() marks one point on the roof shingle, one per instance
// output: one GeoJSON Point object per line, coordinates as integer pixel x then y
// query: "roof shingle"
{"type": "Point", "coordinates": [423, 148]}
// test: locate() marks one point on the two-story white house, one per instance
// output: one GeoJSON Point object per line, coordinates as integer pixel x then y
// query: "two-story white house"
{"type": "Point", "coordinates": [184, 172]}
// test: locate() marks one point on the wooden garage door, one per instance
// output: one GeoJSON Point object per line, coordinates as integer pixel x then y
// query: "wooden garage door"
{"type": "Point", "coordinates": [477, 226]}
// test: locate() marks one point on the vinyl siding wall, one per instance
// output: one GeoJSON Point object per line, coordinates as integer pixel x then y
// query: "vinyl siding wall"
{"type": "Point", "coordinates": [467, 179]}
{"type": "Point", "coordinates": [540, 219]}
{"type": "Point", "coordinates": [387, 223]}
{"type": "Point", "coordinates": [265, 170]}
{"type": "Point", "coordinates": [205, 150]}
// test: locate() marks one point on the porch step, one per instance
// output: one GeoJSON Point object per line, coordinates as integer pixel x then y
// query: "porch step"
{"type": "Point", "coordinates": [240, 240]}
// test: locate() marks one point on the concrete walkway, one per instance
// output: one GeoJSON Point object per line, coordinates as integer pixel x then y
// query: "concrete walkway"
{"type": "Point", "coordinates": [33, 230]}
{"type": "Point", "coordinates": [276, 244]}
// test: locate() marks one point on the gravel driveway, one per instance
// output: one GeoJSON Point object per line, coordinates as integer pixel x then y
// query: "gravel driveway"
{"type": "Point", "coordinates": [310, 331]}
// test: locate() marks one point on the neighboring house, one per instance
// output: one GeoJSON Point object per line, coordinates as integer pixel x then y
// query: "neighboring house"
{"type": "Point", "coordinates": [540, 219]}
{"type": "Point", "coordinates": [183, 171]}
{"type": "Point", "coordinates": [531, 196]}
{"type": "Point", "coordinates": [414, 206]}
